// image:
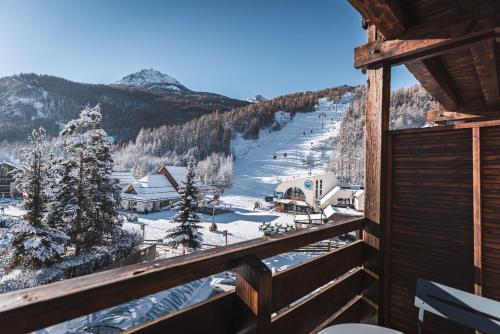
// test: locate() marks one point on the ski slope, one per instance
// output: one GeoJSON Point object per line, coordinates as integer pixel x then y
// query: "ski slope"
{"type": "Point", "coordinates": [261, 164]}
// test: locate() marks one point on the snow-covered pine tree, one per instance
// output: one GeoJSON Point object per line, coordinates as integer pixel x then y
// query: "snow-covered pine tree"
{"type": "Point", "coordinates": [95, 197]}
{"type": "Point", "coordinates": [34, 242]}
{"type": "Point", "coordinates": [186, 233]}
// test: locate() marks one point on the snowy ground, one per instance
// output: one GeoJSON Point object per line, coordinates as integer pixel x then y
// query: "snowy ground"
{"type": "Point", "coordinates": [256, 173]}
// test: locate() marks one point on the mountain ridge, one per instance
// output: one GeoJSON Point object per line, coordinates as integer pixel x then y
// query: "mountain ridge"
{"type": "Point", "coordinates": [29, 100]}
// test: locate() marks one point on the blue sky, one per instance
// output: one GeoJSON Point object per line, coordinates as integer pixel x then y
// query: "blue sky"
{"type": "Point", "coordinates": [235, 48]}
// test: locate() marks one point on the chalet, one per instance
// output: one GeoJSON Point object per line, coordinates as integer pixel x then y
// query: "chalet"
{"type": "Point", "coordinates": [7, 183]}
{"type": "Point", "coordinates": [174, 174]}
{"type": "Point", "coordinates": [124, 178]}
{"type": "Point", "coordinates": [148, 194]}
{"type": "Point", "coordinates": [431, 210]}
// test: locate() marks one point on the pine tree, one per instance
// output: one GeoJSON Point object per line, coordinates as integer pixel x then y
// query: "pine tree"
{"type": "Point", "coordinates": [186, 232]}
{"type": "Point", "coordinates": [34, 242]}
{"type": "Point", "coordinates": [94, 196]}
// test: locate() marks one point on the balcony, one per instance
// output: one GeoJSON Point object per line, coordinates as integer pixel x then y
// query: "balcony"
{"type": "Point", "coordinates": [326, 289]}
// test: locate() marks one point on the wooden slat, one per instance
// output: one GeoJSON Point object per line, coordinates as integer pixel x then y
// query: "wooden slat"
{"type": "Point", "coordinates": [476, 186]}
{"type": "Point", "coordinates": [386, 234]}
{"type": "Point", "coordinates": [484, 57]}
{"type": "Point", "coordinates": [426, 40]}
{"type": "Point", "coordinates": [79, 296]}
{"type": "Point", "coordinates": [316, 309]}
{"type": "Point", "coordinates": [214, 315]}
{"type": "Point", "coordinates": [294, 283]}
{"type": "Point", "coordinates": [385, 14]}
{"type": "Point", "coordinates": [254, 288]}
{"type": "Point", "coordinates": [433, 78]}
{"type": "Point", "coordinates": [490, 208]}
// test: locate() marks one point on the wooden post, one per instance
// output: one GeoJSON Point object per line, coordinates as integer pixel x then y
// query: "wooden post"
{"type": "Point", "coordinates": [476, 186]}
{"type": "Point", "coordinates": [253, 287]}
{"type": "Point", "coordinates": [376, 127]}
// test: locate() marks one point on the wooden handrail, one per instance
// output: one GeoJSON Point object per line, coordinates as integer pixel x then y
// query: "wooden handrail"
{"type": "Point", "coordinates": [337, 274]}
{"type": "Point", "coordinates": [35, 308]}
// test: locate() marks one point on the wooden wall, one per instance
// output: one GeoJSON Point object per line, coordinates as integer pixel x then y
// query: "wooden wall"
{"type": "Point", "coordinates": [439, 226]}
{"type": "Point", "coordinates": [490, 210]}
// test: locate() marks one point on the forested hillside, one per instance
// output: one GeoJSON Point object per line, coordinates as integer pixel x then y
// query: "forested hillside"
{"type": "Point", "coordinates": [28, 101]}
{"type": "Point", "coordinates": [212, 133]}
{"type": "Point", "coordinates": [408, 110]}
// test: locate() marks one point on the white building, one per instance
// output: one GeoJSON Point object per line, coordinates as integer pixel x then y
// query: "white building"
{"type": "Point", "coordinates": [308, 194]}
{"type": "Point", "coordinates": [305, 190]}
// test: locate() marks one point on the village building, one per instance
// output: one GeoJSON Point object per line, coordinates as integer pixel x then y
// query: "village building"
{"type": "Point", "coordinates": [7, 182]}
{"type": "Point", "coordinates": [148, 194]}
{"type": "Point", "coordinates": [317, 192]}
{"type": "Point", "coordinates": [124, 178]}
{"type": "Point", "coordinates": [303, 194]}
{"type": "Point", "coordinates": [155, 192]}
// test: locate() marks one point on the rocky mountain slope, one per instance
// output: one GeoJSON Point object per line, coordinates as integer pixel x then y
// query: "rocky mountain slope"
{"type": "Point", "coordinates": [141, 100]}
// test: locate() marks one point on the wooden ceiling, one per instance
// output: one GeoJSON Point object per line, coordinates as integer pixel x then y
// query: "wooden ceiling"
{"type": "Point", "coordinates": [451, 46]}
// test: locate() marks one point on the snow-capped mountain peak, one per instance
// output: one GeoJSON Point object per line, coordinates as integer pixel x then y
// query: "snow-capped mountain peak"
{"type": "Point", "coordinates": [151, 79]}
{"type": "Point", "coordinates": [255, 99]}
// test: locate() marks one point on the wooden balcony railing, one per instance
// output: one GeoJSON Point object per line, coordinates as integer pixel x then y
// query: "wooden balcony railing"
{"type": "Point", "coordinates": [300, 299]}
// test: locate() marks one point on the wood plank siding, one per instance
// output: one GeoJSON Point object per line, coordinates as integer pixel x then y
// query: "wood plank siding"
{"type": "Point", "coordinates": [490, 211]}
{"type": "Point", "coordinates": [440, 177]}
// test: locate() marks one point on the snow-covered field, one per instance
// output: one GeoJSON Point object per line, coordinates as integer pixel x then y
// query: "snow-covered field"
{"type": "Point", "coordinates": [255, 171]}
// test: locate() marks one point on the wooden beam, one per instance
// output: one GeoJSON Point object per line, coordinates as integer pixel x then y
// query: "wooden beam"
{"type": "Point", "coordinates": [385, 14]}
{"type": "Point", "coordinates": [254, 288]}
{"type": "Point", "coordinates": [426, 40]}
{"type": "Point", "coordinates": [476, 186]}
{"type": "Point", "coordinates": [377, 124]}
{"type": "Point", "coordinates": [376, 128]}
{"type": "Point", "coordinates": [432, 76]}
{"type": "Point", "coordinates": [484, 57]}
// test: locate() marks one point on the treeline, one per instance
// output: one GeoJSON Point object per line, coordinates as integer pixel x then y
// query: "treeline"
{"type": "Point", "coordinates": [408, 110]}
{"type": "Point", "coordinates": [212, 133]}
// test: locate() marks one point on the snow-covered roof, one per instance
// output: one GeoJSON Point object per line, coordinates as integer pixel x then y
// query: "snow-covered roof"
{"type": "Point", "coordinates": [123, 177]}
{"type": "Point", "coordinates": [331, 210]}
{"type": "Point", "coordinates": [177, 172]}
{"type": "Point", "coordinates": [12, 164]}
{"type": "Point", "coordinates": [151, 187]}
{"type": "Point", "coordinates": [157, 180]}
{"type": "Point", "coordinates": [150, 193]}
